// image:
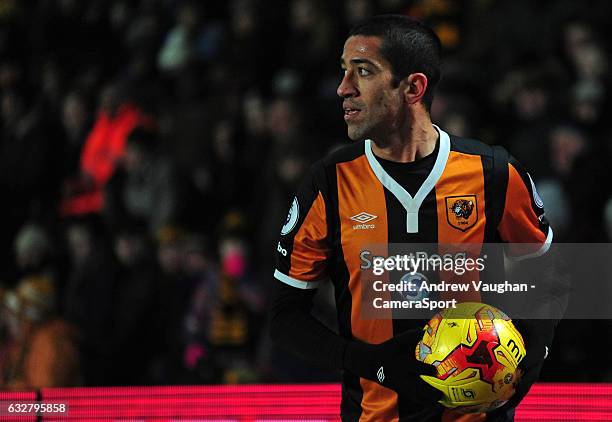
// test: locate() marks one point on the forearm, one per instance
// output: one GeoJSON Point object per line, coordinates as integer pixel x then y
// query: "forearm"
{"type": "Point", "coordinates": [295, 329]}
{"type": "Point", "coordinates": [539, 326]}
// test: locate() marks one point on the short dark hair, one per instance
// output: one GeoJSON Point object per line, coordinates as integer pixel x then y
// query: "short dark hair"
{"type": "Point", "coordinates": [409, 46]}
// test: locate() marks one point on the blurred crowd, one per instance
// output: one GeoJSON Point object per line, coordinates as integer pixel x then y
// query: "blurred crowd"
{"type": "Point", "coordinates": [150, 148]}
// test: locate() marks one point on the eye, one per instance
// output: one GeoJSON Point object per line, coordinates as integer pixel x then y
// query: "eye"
{"type": "Point", "coordinates": [363, 71]}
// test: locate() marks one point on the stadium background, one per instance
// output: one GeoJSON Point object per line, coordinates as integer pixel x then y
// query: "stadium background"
{"type": "Point", "coordinates": [144, 257]}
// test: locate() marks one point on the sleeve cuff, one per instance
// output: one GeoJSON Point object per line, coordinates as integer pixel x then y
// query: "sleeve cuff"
{"type": "Point", "coordinates": [295, 282]}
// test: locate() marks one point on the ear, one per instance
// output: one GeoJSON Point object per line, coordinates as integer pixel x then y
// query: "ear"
{"type": "Point", "coordinates": [415, 87]}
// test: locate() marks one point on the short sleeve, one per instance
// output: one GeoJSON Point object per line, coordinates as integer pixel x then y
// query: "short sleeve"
{"type": "Point", "coordinates": [303, 248]}
{"type": "Point", "coordinates": [523, 224]}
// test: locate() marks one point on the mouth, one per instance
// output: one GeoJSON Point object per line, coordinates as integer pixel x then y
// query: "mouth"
{"type": "Point", "coordinates": [350, 112]}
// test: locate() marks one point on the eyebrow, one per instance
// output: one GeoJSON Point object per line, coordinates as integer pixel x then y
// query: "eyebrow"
{"type": "Point", "coordinates": [359, 61]}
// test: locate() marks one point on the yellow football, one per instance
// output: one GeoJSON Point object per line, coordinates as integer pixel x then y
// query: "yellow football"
{"type": "Point", "coordinates": [476, 349]}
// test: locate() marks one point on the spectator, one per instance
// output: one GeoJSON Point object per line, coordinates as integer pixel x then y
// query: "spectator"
{"type": "Point", "coordinates": [144, 188]}
{"type": "Point", "coordinates": [29, 175]}
{"type": "Point", "coordinates": [103, 149]}
{"type": "Point", "coordinates": [222, 329]}
{"type": "Point", "coordinates": [41, 350]}
{"type": "Point", "coordinates": [88, 298]}
{"type": "Point", "coordinates": [135, 303]}
{"type": "Point", "coordinates": [185, 263]}
{"type": "Point", "coordinates": [190, 40]}
{"type": "Point", "coordinates": [33, 251]}
{"type": "Point", "coordinates": [75, 118]}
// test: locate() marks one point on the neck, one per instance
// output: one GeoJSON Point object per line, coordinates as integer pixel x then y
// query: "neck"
{"type": "Point", "coordinates": [417, 140]}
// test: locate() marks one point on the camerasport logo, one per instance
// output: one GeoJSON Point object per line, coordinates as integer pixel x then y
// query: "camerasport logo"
{"type": "Point", "coordinates": [363, 218]}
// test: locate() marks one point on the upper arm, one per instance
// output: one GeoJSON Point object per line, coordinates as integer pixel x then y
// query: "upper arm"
{"type": "Point", "coordinates": [303, 248]}
{"type": "Point", "coordinates": [523, 223]}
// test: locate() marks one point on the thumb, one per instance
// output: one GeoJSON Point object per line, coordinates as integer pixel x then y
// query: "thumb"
{"type": "Point", "coordinates": [425, 370]}
{"type": "Point", "coordinates": [433, 387]}
{"type": "Point", "coordinates": [534, 356]}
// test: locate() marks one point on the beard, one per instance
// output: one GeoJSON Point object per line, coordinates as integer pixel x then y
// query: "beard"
{"type": "Point", "coordinates": [366, 129]}
{"type": "Point", "coordinates": [356, 133]}
{"type": "Point", "coordinates": [359, 131]}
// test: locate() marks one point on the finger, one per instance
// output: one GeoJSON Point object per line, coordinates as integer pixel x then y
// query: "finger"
{"type": "Point", "coordinates": [519, 375]}
{"type": "Point", "coordinates": [534, 356]}
{"type": "Point", "coordinates": [421, 368]}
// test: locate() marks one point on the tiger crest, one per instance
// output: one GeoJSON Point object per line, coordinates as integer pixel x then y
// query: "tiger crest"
{"type": "Point", "coordinates": [462, 211]}
{"type": "Point", "coordinates": [462, 208]}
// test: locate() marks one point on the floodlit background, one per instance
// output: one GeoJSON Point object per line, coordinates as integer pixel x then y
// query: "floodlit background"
{"type": "Point", "coordinates": [149, 151]}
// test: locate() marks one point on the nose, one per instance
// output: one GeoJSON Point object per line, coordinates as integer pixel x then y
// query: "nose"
{"type": "Point", "coordinates": [347, 88]}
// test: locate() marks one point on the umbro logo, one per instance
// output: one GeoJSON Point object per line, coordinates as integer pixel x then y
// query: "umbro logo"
{"type": "Point", "coordinates": [380, 374]}
{"type": "Point", "coordinates": [362, 218]}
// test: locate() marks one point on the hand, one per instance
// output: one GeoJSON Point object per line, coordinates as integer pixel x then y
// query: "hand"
{"type": "Point", "coordinates": [393, 364]}
{"type": "Point", "coordinates": [528, 372]}
{"type": "Point", "coordinates": [537, 339]}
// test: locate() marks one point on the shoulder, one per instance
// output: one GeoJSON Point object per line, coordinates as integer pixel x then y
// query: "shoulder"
{"type": "Point", "coordinates": [472, 146]}
{"type": "Point", "coordinates": [344, 153]}
{"type": "Point", "coordinates": [325, 168]}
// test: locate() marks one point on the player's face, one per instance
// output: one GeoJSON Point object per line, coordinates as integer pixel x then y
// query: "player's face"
{"type": "Point", "coordinates": [372, 106]}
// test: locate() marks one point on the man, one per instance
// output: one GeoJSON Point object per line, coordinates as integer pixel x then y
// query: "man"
{"type": "Point", "coordinates": [398, 178]}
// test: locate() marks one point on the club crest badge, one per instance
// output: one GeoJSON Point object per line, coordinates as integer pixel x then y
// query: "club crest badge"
{"type": "Point", "coordinates": [462, 211]}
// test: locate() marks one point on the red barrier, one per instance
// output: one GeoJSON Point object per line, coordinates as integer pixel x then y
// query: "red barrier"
{"type": "Point", "coordinates": [303, 402]}
{"type": "Point", "coordinates": [567, 402]}
{"type": "Point", "coordinates": [247, 403]}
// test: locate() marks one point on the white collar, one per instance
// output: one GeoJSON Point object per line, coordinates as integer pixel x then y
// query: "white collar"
{"type": "Point", "coordinates": [412, 205]}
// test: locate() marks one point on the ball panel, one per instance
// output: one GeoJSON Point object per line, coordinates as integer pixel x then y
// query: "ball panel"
{"type": "Point", "coordinates": [511, 340]}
